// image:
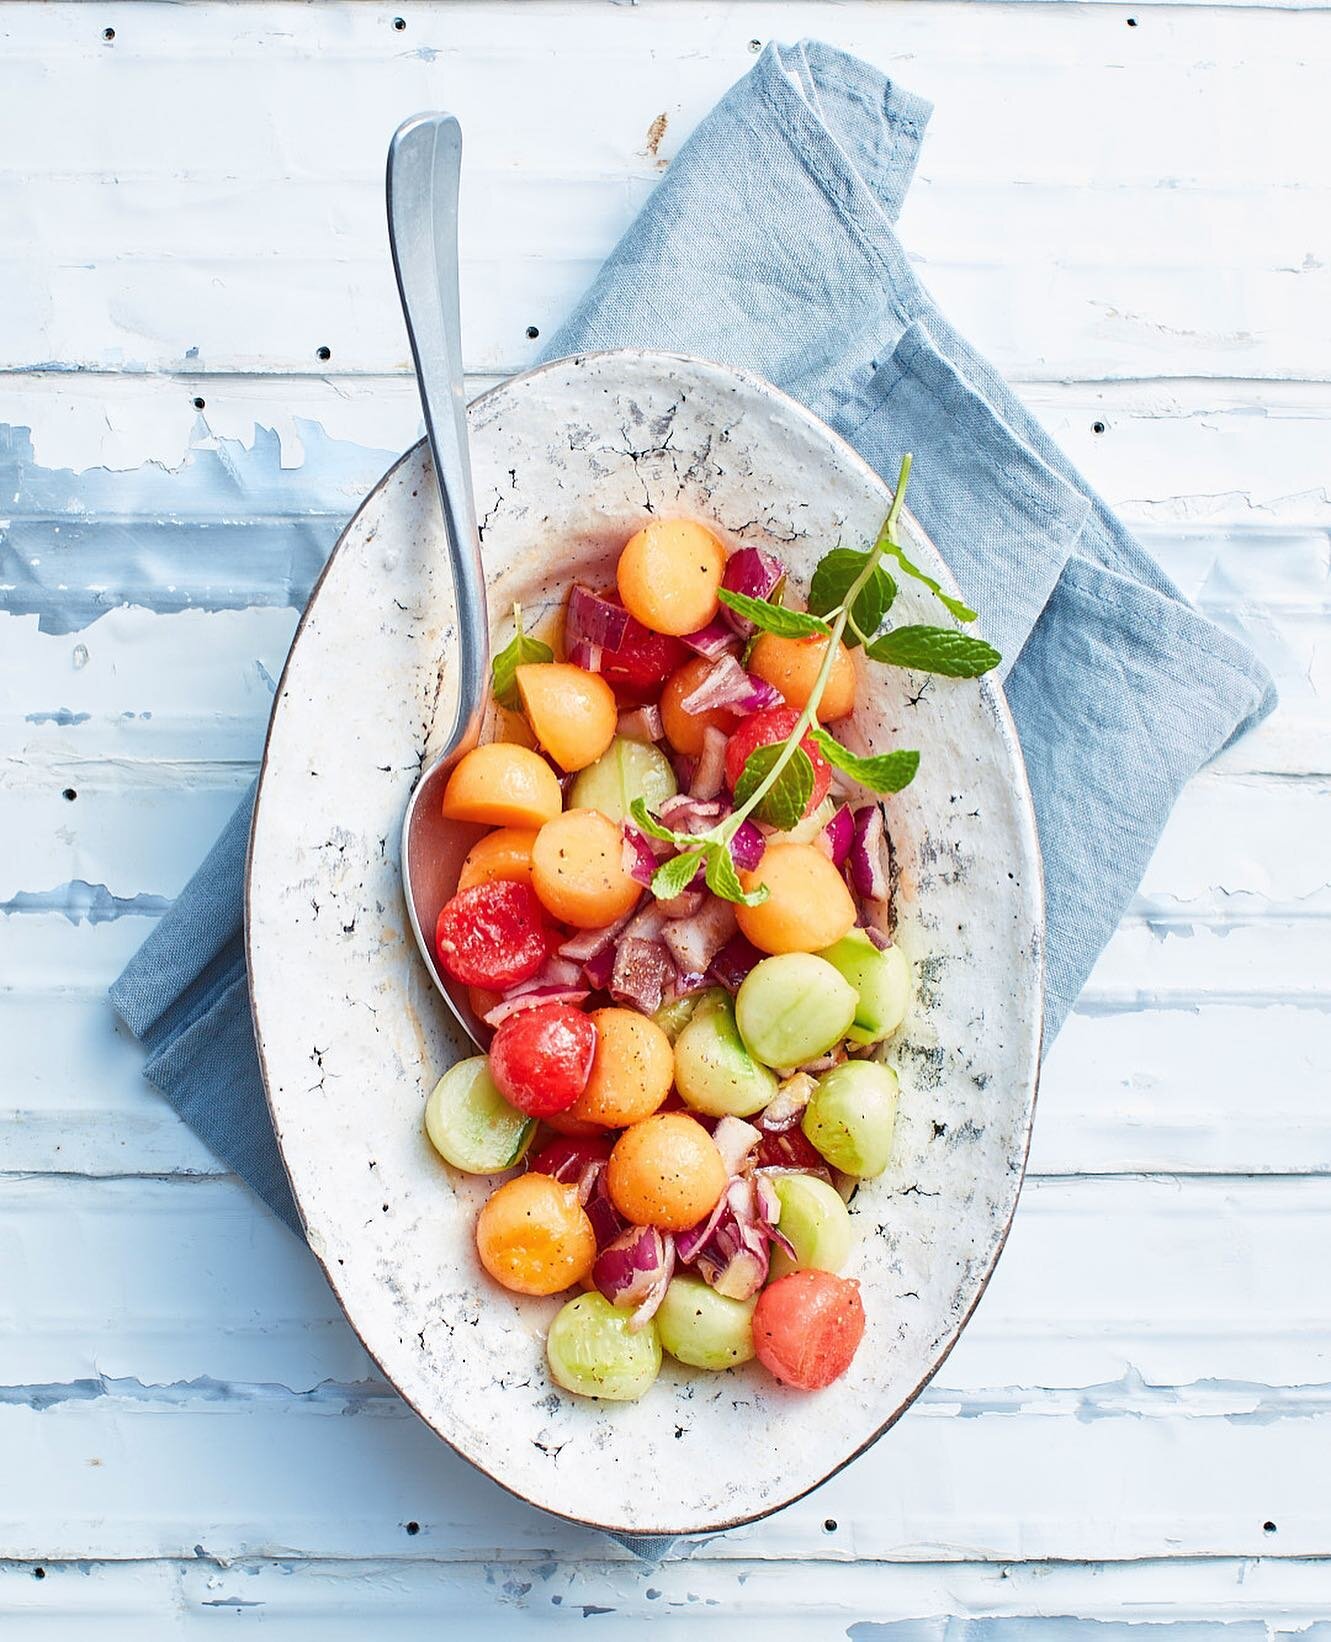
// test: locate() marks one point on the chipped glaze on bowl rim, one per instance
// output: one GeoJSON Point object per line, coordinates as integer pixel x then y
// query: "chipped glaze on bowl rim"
{"type": "Point", "coordinates": [1033, 890]}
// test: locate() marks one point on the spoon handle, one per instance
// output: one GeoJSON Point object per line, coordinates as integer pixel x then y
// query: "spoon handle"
{"type": "Point", "coordinates": [424, 168]}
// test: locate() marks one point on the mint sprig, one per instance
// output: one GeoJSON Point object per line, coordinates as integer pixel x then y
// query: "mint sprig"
{"type": "Point", "coordinates": [850, 596]}
{"type": "Point", "coordinates": [880, 772]}
{"type": "Point", "coordinates": [935, 650]}
{"type": "Point", "coordinates": [886, 544]}
{"type": "Point", "coordinates": [836, 573]}
{"type": "Point", "coordinates": [774, 618]}
{"type": "Point", "coordinates": [658, 829]}
{"type": "Point", "coordinates": [711, 852]}
{"type": "Point", "coordinates": [520, 651]}
{"type": "Point", "coordinates": [675, 876]}
{"type": "Point", "coordinates": [723, 880]}
{"type": "Point", "coordinates": [784, 802]}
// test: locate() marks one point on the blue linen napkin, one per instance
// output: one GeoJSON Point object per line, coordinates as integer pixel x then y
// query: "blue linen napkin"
{"type": "Point", "coordinates": [769, 244]}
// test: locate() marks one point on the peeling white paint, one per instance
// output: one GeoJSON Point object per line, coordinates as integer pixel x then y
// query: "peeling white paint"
{"type": "Point", "coordinates": [1169, 1600]}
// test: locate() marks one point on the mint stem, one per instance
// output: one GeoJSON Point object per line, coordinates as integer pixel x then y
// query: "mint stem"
{"type": "Point", "coordinates": [733, 822]}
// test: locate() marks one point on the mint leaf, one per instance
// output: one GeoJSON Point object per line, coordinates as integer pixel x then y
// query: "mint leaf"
{"type": "Point", "coordinates": [723, 880]}
{"type": "Point", "coordinates": [962, 612]}
{"type": "Point", "coordinates": [935, 650]}
{"type": "Point", "coordinates": [774, 618]}
{"type": "Point", "coordinates": [675, 876]}
{"type": "Point", "coordinates": [881, 772]}
{"type": "Point", "coordinates": [783, 806]}
{"type": "Point", "coordinates": [654, 828]}
{"type": "Point", "coordinates": [520, 651]}
{"type": "Point", "coordinates": [837, 572]}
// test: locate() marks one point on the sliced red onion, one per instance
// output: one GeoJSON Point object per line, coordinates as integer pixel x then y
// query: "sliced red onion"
{"type": "Point", "coordinates": [689, 1243]}
{"type": "Point", "coordinates": [687, 904]}
{"type": "Point", "coordinates": [642, 724]}
{"type": "Point", "coordinates": [718, 638]}
{"type": "Point", "coordinates": [824, 1063]}
{"type": "Point", "coordinates": [600, 967]}
{"type": "Point", "coordinates": [734, 961]}
{"type": "Point", "coordinates": [594, 1195]}
{"type": "Point", "coordinates": [635, 1270]}
{"type": "Point", "coordinates": [695, 942]}
{"type": "Point", "coordinates": [637, 856]}
{"type": "Point", "coordinates": [533, 998]}
{"type": "Point", "coordinates": [683, 766]}
{"type": "Point", "coordinates": [868, 854]}
{"type": "Point", "coordinates": [728, 685]}
{"type": "Point", "coordinates": [769, 1212]}
{"type": "Point", "coordinates": [585, 655]}
{"type": "Point", "coordinates": [786, 1107]}
{"type": "Point", "coordinates": [657, 1292]}
{"type": "Point", "coordinates": [588, 942]}
{"type": "Point", "coordinates": [595, 619]}
{"type": "Point", "coordinates": [567, 1158]}
{"type": "Point", "coordinates": [641, 973]}
{"type": "Point", "coordinates": [752, 571]}
{"type": "Point", "coordinates": [709, 775]}
{"type": "Point", "coordinates": [647, 924]}
{"type": "Point", "coordinates": [735, 1140]}
{"type": "Point", "coordinates": [747, 846]}
{"type": "Point", "coordinates": [838, 834]}
{"type": "Point", "coordinates": [554, 982]}
{"type": "Point", "coordinates": [735, 1256]}
{"type": "Point", "coordinates": [882, 912]}
{"type": "Point", "coordinates": [683, 813]}
{"type": "Point", "coordinates": [685, 982]}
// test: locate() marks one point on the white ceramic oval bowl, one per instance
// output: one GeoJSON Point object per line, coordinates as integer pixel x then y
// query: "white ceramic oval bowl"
{"type": "Point", "coordinates": [352, 1036]}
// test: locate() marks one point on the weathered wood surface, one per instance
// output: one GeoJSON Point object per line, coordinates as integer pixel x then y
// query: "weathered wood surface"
{"type": "Point", "coordinates": [1133, 222]}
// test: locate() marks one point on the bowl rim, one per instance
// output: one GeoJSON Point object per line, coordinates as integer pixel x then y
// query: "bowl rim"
{"type": "Point", "coordinates": [1027, 820]}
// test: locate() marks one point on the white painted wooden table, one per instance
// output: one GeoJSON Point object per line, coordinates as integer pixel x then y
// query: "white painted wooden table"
{"type": "Point", "coordinates": [202, 369]}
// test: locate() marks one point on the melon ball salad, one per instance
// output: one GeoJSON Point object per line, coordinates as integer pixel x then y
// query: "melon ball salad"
{"type": "Point", "coordinates": [680, 931]}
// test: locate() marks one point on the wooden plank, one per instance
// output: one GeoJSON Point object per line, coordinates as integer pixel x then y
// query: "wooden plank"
{"type": "Point", "coordinates": [1209, 454]}
{"type": "Point", "coordinates": [717, 42]}
{"type": "Point", "coordinates": [1109, 1291]}
{"type": "Point", "coordinates": [143, 286]}
{"type": "Point", "coordinates": [1216, 298]}
{"type": "Point", "coordinates": [75, 1100]}
{"type": "Point", "coordinates": [164, 1282]}
{"type": "Point", "coordinates": [170, 1473]}
{"type": "Point", "coordinates": [1217, 1600]}
{"type": "Point", "coordinates": [1274, 960]}
{"type": "Point", "coordinates": [1214, 1086]}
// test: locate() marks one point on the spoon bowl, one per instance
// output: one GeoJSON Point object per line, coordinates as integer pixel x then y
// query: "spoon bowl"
{"type": "Point", "coordinates": [433, 851]}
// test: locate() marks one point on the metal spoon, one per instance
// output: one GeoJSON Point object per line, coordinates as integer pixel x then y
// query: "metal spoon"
{"type": "Point", "coordinates": [424, 168]}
